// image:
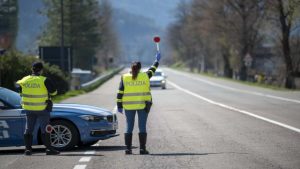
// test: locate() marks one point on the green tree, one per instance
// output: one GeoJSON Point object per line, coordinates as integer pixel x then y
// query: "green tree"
{"type": "Point", "coordinates": [80, 25]}
{"type": "Point", "coordinates": [8, 23]}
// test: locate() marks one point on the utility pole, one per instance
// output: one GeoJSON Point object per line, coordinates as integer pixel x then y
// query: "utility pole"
{"type": "Point", "coordinates": [62, 34]}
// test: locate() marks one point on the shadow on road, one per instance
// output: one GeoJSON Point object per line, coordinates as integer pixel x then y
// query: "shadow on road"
{"type": "Point", "coordinates": [102, 148]}
{"type": "Point", "coordinates": [20, 151]}
{"type": "Point", "coordinates": [77, 151]}
{"type": "Point", "coordinates": [180, 154]}
{"type": "Point", "coordinates": [191, 154]}
{"type": "Point", "coordinates": [159, 88]}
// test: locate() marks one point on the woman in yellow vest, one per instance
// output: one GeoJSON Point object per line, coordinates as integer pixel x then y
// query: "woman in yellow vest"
{"type": "Point", "coordinates": [35, 90]}
{"type": "Point", "coordinates": [133, 95]}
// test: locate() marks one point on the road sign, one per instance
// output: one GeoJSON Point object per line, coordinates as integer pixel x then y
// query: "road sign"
{"type": "Point", "coordinates": [248, 60]}
{"type": "Point", "coordinates": [52, 55]}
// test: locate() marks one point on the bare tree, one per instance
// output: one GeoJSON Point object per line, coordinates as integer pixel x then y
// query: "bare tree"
{"type": "Point", "coordinates": [108, 51]}
{"type": "Point", "coordinates": [178, 37]}
{"type": "Point", "coordinates": [217, 27]}
{"type": "Point", "coordinates": [284, 16]}
{"type": "Point", "coordinates": [212, 29]}
{"type": "Point", "coordinates": [244, 18]}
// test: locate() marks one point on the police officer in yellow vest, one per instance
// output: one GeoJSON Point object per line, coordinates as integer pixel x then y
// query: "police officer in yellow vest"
{"type": "Point", "coordinates": [36, 91]}
{"type": "Point", "coordinates": [133, 95]}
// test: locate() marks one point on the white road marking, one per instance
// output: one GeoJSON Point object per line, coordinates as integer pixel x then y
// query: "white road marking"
{"type": "Point", "coordinates": [79, 167]}
{"type": "Point", "coordinates": [90, 152]}
{"type": "Point", "coordinates": [235, 89]}
{"type": "Point", "coordinates": [235, 109]}
{"type": "Point", "coordinates": [85, 159]}
{"type": "Point", "coordinates": [97, 144]}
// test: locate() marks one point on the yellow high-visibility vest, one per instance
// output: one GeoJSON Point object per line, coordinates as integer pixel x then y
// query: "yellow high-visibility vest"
{"type": "Point", "coordinates": [136, 92]}
{"type": "Point", "coordinates": [34, 93]}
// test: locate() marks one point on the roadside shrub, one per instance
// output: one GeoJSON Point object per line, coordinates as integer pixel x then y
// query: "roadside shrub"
{"type": "Point", "coordinates": [60, 78]}
{"type": "Point", "coordinates": [15, 65]}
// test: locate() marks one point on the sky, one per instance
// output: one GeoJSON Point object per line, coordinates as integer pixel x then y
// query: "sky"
{"type": "Point", "coordinates": [161, 11]}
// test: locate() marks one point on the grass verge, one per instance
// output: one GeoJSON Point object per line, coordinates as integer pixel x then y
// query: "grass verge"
{"type": "Point", "coordinates": [68, 94]}
{"type": "Point", "coordinates": [253, 84]}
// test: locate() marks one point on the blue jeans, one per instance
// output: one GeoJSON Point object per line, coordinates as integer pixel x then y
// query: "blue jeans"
{"type": "Point", "coordinates": [130, 116]}
{"type": "Point", "coordinates": [32, 117]}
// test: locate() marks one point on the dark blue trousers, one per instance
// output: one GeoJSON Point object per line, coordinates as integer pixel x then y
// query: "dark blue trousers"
{"type": "Point", "coordinates": [130, 117]}
{"type": "Point", "coordinates": [33, 116]}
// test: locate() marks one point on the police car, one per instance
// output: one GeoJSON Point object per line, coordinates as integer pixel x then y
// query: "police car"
{"type": "Point", "coordinates": [73, 124]}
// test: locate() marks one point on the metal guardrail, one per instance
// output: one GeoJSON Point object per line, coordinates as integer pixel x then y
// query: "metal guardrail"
{"type": "Point", "coordinates": [101, 78]}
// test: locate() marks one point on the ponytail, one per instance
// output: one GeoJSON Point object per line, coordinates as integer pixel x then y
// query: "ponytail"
{"type": "Point", "coordinates": [135, 69]}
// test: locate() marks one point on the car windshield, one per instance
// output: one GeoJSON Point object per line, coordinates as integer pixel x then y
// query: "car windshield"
{"type": "Point", "coordinates": [11, 97]}
{"type": "Point", "coordinates": [158, 74]}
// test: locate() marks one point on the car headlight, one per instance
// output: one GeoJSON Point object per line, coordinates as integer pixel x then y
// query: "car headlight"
{"type": "Point", "coordinates": [163, 81]}
{"type": "Point", "coordinates": [93, 118]}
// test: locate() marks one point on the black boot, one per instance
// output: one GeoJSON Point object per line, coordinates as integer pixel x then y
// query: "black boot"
{"type": "Point", "coordinates": [28, 144]}
{"type": "Point", "coordinates": [128, 142]}
{"type": "Point", "coordinates": [143, 141]}
{"type": "Point", "coordinates": [49, 149]}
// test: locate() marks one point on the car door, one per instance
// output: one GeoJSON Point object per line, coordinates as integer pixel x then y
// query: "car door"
{"type": "Point", "coordinates": [11, 125]}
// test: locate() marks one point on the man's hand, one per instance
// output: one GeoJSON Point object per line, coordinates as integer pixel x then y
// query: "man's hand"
{"type": "Point", "coordinates": [120, 110]}
{"type": "Point", "coordinates": [157, 56]}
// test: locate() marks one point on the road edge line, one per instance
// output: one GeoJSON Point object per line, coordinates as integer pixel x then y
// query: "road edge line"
{"type": "Point", "coordinates": [235, 109]}
{"type": "Point", "coordinates": [237, 90]}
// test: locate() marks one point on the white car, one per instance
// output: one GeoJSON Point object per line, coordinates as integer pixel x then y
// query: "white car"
{"type": "Point", "coordinates": [158, 79]}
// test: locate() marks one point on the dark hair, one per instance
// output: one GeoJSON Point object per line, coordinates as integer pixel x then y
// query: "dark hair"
{"type": "Point", "coordinates": [37, 66]}
{"type": "Point", "coordinates": [135, 69]}
{"type": "Point", "coordinates": [139, 65]}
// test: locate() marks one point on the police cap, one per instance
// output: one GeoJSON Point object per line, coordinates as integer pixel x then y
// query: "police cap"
{"type": "Point", "coordinates": [37, 66]}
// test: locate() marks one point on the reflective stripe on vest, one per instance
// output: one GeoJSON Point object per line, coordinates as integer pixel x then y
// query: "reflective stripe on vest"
{"type": "Point", "coordinates": [34, 96]}
{"type": "Point", "coordinates": [34, 93]}
{"type": "Point", "coordinates": [136, 92]}
{"type": "Point", "coordinates": [34, 104]}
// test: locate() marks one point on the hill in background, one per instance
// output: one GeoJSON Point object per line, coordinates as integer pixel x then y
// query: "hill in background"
{"type": "Point", "coordinates": [135, 21]}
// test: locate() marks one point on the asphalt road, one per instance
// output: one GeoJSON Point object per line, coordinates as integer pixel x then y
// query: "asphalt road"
{"type": "Point", "coordinates": [197, 122]}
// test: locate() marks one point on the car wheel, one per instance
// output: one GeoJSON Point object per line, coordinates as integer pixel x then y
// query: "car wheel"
{"type": "Point", "coordinates": [64, 135]}
{"type": "Point", "coordinates": [163, 87]}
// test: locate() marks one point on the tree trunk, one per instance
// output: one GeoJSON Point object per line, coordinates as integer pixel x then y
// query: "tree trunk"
{"type": "Point", "coordinates": [199, 66]}
{"type": "Point", "coordinates": [285, 30]}
{"type": "Point", "coordinates": [245, 50]}
{"type": "Point", "coordinates": [290, 82]}
{"type": "Point", "coordinates": [243, 68]}
{"type": "Point", "coordinates": [227, 68]}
